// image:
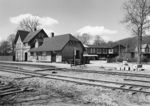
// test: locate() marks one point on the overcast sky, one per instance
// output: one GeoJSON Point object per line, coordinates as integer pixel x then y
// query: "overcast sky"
{"type": "Point", "coordinates": [96, 17]}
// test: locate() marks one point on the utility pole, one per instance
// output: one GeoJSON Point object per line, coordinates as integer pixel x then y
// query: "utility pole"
{"type": "Point", "coordinates": [119, 50]}
{"type": "Point", "coordinates": [74, 56]}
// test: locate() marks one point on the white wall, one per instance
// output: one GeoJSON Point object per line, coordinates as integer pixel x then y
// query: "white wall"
{"type": "Point", "coordinates": [40, 58]}
{"type": "Point", "coordinates": [58, 58]}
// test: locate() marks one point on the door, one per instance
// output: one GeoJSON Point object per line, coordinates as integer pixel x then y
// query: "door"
{"type": "Point", "coordinates": [26, 56]}
{"type": "Point", "coordinates": [53, 58]}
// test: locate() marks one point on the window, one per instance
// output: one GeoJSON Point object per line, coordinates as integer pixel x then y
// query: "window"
{"type": "Point", "coordinates": [39, 53]}
{"type": "Point", "coordinates": [99, 50]}
{"type": "Point", "coordinates": [96, 50]}
{"type": "Point", "coordinates": [36, 44]}
{"type": "Point", "coordinates": [132, 55]}
{"type": "Point", "coordinates": [105, 51]}
{"type": "Point", "coordinates": [93, 50]}
{"type": "Point", "coordinates": [146, 50]}
{"type": "Point", "coordinates": [48, 53]}
{"type": "Point", "coordinates": [43, 53]}
{"type": "Point", "coordinates": [32, 53]}
{"type": "Point", "coordinates": [110, 50]}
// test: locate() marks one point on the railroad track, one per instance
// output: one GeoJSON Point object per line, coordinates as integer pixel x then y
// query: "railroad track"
{"type": "Point", "coordinates": [135, 80]}
{"type": "Point", "coordinates": [80, 70]}
{"type": "Point", "coordinates": [25, 64]}
{"type": "Point", "coordinates": [100, 83]}
{"type": "Point", "coordinates": [8, 89]}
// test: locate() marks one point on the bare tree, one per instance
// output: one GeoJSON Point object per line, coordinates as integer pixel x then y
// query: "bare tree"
{"type": "Point", "coordinates": [136, 18]}
{"type": "Point", "coordinates": [5, 48]}
{"type": "Point", "coordinates": [11, 39]}
{"type": "Point", "coordinates": [84, 38]}
{"type": "Point", "coordinates": [98, 40]}
{"type": "Point", "coordinates": [29, 24]}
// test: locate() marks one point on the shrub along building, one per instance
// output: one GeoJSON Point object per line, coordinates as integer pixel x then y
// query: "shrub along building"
{"type": "Point", "coordinates": [62, 48]}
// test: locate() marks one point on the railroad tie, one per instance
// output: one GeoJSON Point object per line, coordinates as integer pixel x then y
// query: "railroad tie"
{"type": "Point", "coordinates": [133, 93]}
{"type": "Point", "coordinates": [122, 86]}
{"type": "Point", "coordinates": [140, 89]}
{"type": "Point", "coordinates": [130, 87]}
{"type": "Point", "coordinates": [6, 87]}
{"type": "Point", "coordinates": [9, 90]}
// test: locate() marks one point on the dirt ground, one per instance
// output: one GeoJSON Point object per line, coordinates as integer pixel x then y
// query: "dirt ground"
{"type": "Point", "coordinates": [59, 93]}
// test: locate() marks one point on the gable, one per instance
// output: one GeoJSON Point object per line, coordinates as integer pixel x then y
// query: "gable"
{"type": "Point", "coordinates": [39, 37]}
{"type": "Point", "coordinates": [32, 35]}
{"type": "Point", "coordinates": [22, 34]}
{"type": "Point", "coordinates": [19, 43]}
{"type": "Point", "coordinates": [56, 43]}
{"type": "Point", "coordinates": [19, 40]}
{"type": "Point", "coordinates": [74, 44]}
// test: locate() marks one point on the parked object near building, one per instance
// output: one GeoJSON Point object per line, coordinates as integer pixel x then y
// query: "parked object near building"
{"type": "Point", "coordinates": [124, 66]}
{"type": "Point", "coordinates": [138, 67]}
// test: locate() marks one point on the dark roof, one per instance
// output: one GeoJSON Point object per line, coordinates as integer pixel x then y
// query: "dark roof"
{"type": "Point", "coordinates": [105, 45]}
{"type": "Point", "coordinates": [22, 34]}
{"type": "Point", "coordinates": [98, 46]}
{"type": "Point", "coordinates": [55, 43]}
{"type": "Point", "coordinates": [130, 43]}
{"type": "Point", "coordinates": [116, 45]}
{"type": "Point", "coordinates": [31, 35]}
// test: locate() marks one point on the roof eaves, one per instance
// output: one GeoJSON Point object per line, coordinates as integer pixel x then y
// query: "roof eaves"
{"type": "Point", "coordinates": [28, 39]}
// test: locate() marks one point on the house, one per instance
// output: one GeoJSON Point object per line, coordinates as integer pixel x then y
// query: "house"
{"type": "Point", "coordinates": [145, 51]}
{"type": "Point", "coordinates": [24, 41]}
{"type": "Point", "coordinates": [116, 50]}
{"type": "Point", "coordinates": [104, 51]}
{"type": "Point", "coordinates": [62, 48]}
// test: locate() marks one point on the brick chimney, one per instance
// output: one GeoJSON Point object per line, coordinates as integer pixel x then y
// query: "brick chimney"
{"type": "Point", "coordinates": [35, 29]}
{"type": "Point", "coordinates": [52, 34]}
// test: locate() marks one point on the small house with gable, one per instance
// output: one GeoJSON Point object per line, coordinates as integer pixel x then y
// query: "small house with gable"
{"type": "Point", "coordinates": [24, 41]}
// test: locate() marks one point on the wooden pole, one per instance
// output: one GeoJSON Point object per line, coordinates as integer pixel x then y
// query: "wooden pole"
{"type": "Point", "coordinates": [74, 54]}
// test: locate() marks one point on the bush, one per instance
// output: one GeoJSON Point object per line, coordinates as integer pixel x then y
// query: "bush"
{"type": "Point", "coordinates": [132, 60]}
{"type": "Point", "coordinates": [115, 59]}
{"type": "Point", "coordinates": [119, 59]}
{"type": "Point", "coordinates": [109, 60]}
{"type": "Point", "coordinates": [145, 59]}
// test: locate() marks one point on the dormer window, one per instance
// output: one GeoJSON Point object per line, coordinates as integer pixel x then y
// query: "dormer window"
{"type": "Point", "coordinates": [26, 44]}
{"type": "Point", "coordinates": [36, 44]}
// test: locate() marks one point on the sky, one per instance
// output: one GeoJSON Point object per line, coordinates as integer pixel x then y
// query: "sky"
{"type": "Point", "coordinates": [95, 17]}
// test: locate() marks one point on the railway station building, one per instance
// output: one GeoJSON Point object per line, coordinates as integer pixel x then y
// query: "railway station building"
{"type": "Point", "coordinates": [37, 46]}
{"type": "Point", "coordinates": [60, 48]}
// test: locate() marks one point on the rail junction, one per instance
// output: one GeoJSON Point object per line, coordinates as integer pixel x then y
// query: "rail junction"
{"type": "Point", "coordinates": [128, 87]}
